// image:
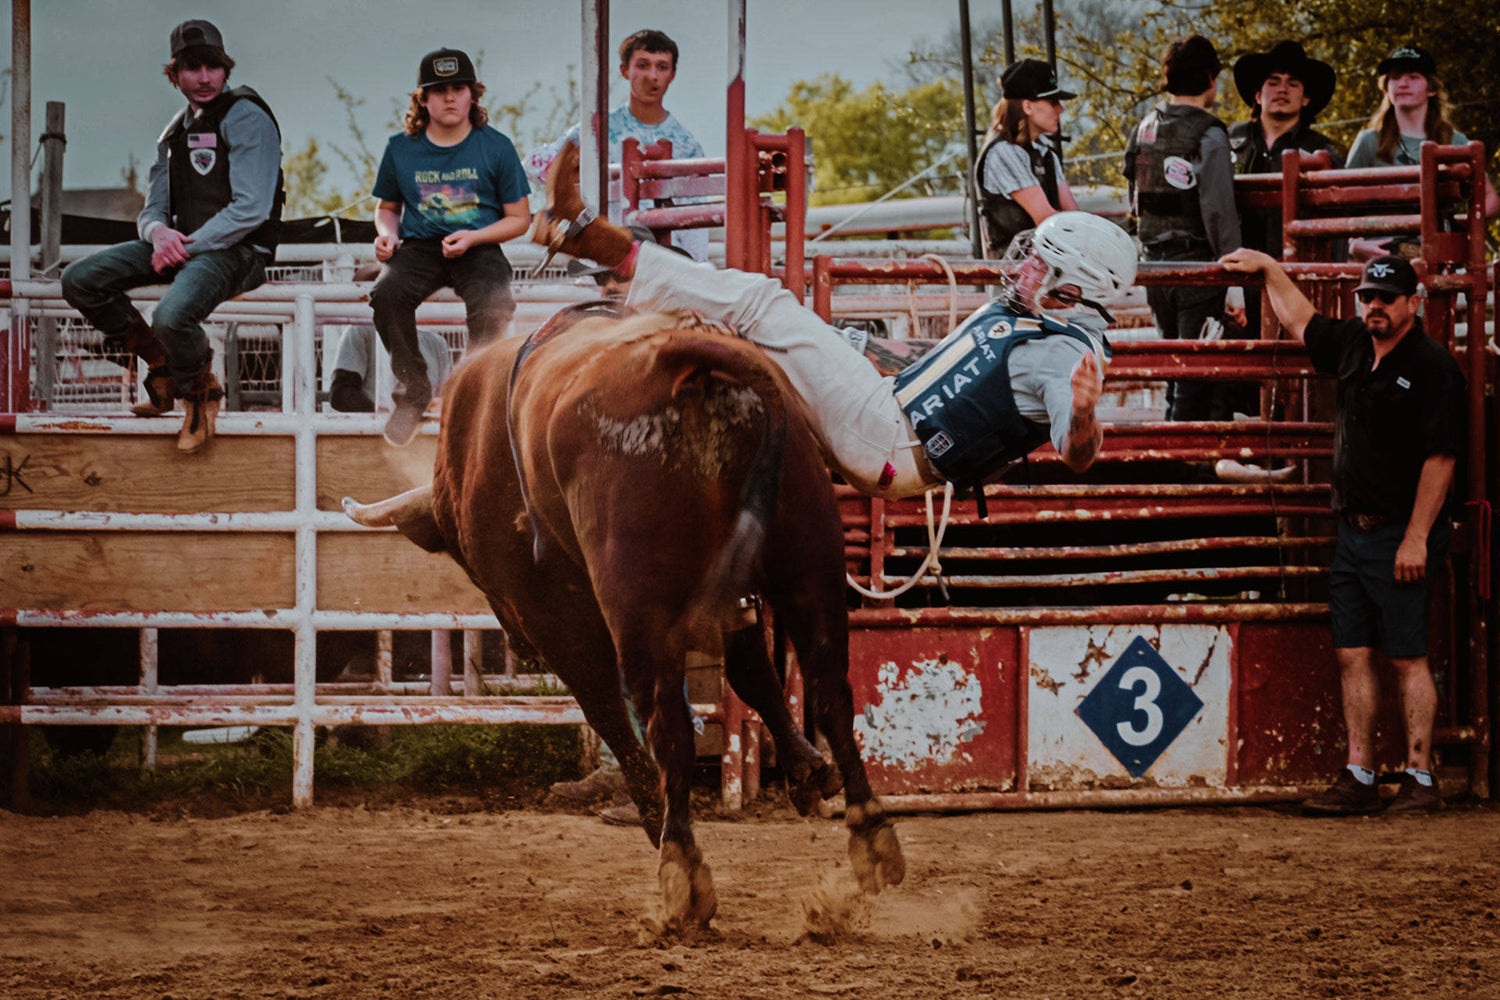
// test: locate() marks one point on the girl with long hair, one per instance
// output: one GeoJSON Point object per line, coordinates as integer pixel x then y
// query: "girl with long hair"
{"type": "Point", "coordinates": [1018, 175]}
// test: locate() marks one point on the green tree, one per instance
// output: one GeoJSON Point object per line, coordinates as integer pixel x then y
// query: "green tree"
{"type": "Point", "coordinates": [868, 142]}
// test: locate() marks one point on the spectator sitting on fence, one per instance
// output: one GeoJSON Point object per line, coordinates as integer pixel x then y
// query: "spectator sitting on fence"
{"type": "Point", "coordinates": [451, 190]}
{"type": "Point", "coordinates": [1182, 196]}
{"type": "Point", "coordinates": [1413, 108]}
{"type": "Point", "coordinates": [209, 228]}
{"type": "Point", "coordinates": [360, 366]}
{"type": "Point", "coordinates": [1018, 173]}
{"type": "Point", "coordinates": [1399, 428]}
{"type": "Point", "coordinates": [648, 59]}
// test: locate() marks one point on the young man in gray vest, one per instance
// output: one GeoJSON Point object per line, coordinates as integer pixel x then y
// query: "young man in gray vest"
{"type": "Point", "coordinates": [1182, 195]}
{"type": "Point", "coordinates": [209, 228]}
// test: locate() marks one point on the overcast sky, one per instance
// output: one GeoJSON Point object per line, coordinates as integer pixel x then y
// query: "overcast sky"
{"type": "Point", "coordinates": [103, 58]}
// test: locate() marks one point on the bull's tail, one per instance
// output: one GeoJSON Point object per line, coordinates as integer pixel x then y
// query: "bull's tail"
{"type": "Point", "coordinates": [730, 575]}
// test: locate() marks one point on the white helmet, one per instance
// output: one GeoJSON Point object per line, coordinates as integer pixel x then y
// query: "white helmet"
{"type": "Point", "coordinates": [1080, 249]}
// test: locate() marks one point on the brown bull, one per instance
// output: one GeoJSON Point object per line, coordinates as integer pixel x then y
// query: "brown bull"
{"type": "Point", "coordinates": [656, 474]}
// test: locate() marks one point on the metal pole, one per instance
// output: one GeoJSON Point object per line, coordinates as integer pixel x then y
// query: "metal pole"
{"type": "Point", "coordinates": [442, 664]}
{"type": "Point", "coordinates": [473, 662]}
{"type": "Point", "coordinates": [1049, 28]}
{"type": "Point", "coordinates": [736, 207]}
{"type": "Point", "coordinates": [305, 662]}
{"type": "Point", "coordinates": [1008, 27]}
{"type": "Point", "coordinates": [593, 133]}
{"type": "Point", "coordinates": [150, 661]}
{"type": "Point", "coordinates": [969, 126]}
{"type": "Point", "coordinates": [54, 142]}
{"type": "Point", "coordinates": [15, 349]}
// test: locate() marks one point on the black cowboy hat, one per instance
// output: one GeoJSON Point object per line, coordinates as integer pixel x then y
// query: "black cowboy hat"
{"type": "Point", "coordinates": [1317, 77]}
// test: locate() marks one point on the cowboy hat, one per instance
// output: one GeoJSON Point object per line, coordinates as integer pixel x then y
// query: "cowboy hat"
{"type": "Point", "coordinates": [1316, 76]}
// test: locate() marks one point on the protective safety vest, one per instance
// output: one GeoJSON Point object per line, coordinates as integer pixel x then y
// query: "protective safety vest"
{"type": "Point", "coordinates": [1003, 217]}
{"type": "Point", "coordinates": [959, 400]}
{"type": "Point", "coordinates": [1161, 162]}
{"type": "Point", "coordinates": [198, 181]}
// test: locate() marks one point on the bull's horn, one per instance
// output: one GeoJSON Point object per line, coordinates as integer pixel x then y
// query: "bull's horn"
{"type": "Point", "coordinates": [398, 510]}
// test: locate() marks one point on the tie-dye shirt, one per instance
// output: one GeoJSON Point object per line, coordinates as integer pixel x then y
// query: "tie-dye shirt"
{"type": "Point", "coordinates": [443, 189]}
{"type": "Point", "coordinates": [624, 125]}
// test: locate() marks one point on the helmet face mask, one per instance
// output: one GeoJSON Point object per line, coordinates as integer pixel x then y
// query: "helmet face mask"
{"type": "Point", "coordinates": [1085, 261]}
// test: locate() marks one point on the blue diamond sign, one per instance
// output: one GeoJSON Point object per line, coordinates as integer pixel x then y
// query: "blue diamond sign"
{"type": "Point", "coordinates": [1139, 707]}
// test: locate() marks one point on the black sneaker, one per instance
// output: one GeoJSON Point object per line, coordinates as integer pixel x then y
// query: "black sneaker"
{"type": "Point", "coordinates": [1415, 797]}
{"type": "Point", "coordinates": [1347, 796]}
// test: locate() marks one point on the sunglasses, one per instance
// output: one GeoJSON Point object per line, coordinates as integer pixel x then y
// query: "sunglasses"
{"type": "Point", "coordinates": [1367, 295]}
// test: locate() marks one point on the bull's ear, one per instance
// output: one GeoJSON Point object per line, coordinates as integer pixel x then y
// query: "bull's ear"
{"type": "Point", "coordinates": [423, 530]}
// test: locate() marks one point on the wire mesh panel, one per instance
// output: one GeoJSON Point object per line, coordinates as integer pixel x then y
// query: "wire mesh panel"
{"type": "Point", "coordinates": [87, 378]}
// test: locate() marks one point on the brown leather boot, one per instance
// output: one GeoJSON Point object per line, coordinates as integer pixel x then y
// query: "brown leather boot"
{"type": "Point", "coordinates": [202, 405]}
{"type": "Point", "coordinates": [567, 225]}
{"type": "Point", "coordinates": [161, 394]}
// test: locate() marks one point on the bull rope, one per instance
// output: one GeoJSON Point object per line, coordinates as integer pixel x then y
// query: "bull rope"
{"type": "Point", "coordinates": [930, 564]}
{"type": "Point", "coordinates": [911, 289]}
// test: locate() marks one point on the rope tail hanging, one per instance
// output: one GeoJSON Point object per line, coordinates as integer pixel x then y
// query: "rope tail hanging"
{"type": "Point", "coordinates": [936, 528]}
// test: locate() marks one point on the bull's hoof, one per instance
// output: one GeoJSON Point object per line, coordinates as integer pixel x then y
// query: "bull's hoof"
{"type": "Point", "coordinates": [874, 852]}
{"type": "Point", "coordinates": [687, 888]}
{"type": "Point", "coordinates": [806, 790]}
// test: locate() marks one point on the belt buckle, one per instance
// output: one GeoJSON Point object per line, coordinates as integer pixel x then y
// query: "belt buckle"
{"type": "Point", "coordinates": [1365, 523]}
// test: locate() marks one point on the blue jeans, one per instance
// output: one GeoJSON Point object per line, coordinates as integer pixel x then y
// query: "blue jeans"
{"type": "Point", "coordinates": [96, 287]}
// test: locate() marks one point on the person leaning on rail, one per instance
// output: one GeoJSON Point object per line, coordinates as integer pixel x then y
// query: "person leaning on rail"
{"type": "Point", "coordinates": [209, 228]}
{"type": "Point", "coordinates": [1413, 109]}
{"type": "Point", "coordinates": [1399, 427]}
{"type": "Point", "coordinates": [1182, 197]}
{"type": "Point", "coordinates": [1021, 370]}
{"type": "Point", "coordinates": [1018, 174]}
{"type": "Point", "coordinates": [450, 191]}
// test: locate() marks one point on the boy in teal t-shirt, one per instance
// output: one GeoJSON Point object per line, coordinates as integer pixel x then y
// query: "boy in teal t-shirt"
{"type": "Point", "coordinates": [451, 190]}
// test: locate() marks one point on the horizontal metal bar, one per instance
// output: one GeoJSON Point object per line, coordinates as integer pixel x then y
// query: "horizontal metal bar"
{"type": "Point", "coordinates": [1112, 551]}
{"type": "Point", "coordinates": [43, 695]}
{"type": "Point", "coordinates": [356, 621]}
{"type": "Point", "coordinates": [1118, 614]}
{"type": "Point", "coordinates": [1091, 798]}
{"type": "Point", "coordinates": [88, 520]}
{"type": "Point", "coordinates": [384, 713]}
{"type": "Point", "coordinates": [1113, 577]}
{"type": "Point", "coordinates": [229, 423]}
{"type": "Point", "coordinates": [966, 513]}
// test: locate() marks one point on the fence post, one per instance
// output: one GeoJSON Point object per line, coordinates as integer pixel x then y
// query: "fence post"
{"type": "Point", "coordinates": [306, 642]}
{"type": "Point", "coordinates": [54, 142]}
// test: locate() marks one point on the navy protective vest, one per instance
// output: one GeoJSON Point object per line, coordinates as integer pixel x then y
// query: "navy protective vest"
{"type": "Point", "coordinates": [959, 400]}
{"type": "Point", "coordinates": [1162, 164]}
{"type": "Point", "coordinates": [198, 181]}
{"type": "Point", "coordinates": [1003, 217]}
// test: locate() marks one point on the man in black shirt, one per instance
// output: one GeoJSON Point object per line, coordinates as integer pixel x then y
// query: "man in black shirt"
{"type": "Point", "coordinates": [1397, 435]}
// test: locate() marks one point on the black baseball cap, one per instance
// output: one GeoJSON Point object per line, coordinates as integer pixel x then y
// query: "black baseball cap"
{"type": "Point", "coordinates": [1408, 58]}
{"type": "Point", "coordinates": [1032, 80]}
{"type": "Point", "coordinates": [1390, 274]}
{"type": "Point", "coordinates": [445, 66]}
{"type": "Point", "coordinates": [193, 33]}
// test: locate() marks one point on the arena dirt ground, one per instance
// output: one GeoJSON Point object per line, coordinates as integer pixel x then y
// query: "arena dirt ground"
{"type": "Point", "coordinates": [344, 902]}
